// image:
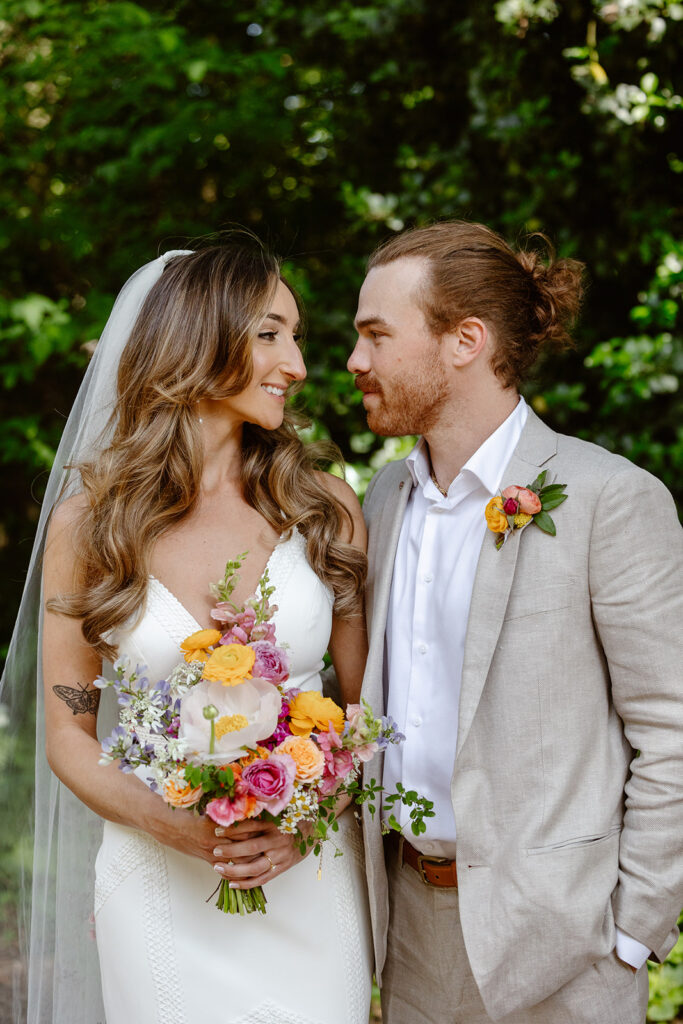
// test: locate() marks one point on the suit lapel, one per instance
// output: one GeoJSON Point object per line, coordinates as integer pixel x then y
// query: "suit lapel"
{"type": "Point", "coordinates": [385, 530]}
{"type": "Point", "coordinates": [495, 574]}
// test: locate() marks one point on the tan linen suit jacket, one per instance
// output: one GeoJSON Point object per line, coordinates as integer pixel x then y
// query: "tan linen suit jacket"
{"type": "Point", "coordinates": [573, 663]}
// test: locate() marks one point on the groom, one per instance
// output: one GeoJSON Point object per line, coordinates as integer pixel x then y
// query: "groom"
{"type": "Point", "coordinates": [538, 683]}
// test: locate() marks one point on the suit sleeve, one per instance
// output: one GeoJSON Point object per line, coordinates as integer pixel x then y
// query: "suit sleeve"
{"type": "Point", "coordinates": [636, 582]}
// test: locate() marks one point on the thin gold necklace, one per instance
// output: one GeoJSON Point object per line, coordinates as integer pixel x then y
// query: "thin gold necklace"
{"type": "Point", "coordinates": [437, 484]}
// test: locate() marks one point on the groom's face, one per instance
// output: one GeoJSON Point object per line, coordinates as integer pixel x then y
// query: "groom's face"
{"type": "Point", "coordinates": [397, 361]}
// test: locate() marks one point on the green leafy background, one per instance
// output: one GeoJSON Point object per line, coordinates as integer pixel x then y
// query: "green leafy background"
{"type": "Point", "coordinates": [129, 128]}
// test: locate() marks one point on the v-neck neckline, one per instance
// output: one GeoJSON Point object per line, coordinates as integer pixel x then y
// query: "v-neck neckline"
{"type": "Point", "coordinates": [282, 541]}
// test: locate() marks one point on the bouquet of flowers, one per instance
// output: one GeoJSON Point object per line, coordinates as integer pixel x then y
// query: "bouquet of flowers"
{"type": "Point", "coordinates": [224, 736]}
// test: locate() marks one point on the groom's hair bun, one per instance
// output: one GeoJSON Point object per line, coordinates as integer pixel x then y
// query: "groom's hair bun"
{"type": "Point", "coordinates": [526, 297]}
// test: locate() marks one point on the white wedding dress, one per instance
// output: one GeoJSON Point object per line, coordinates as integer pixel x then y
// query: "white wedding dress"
{"type": "Point", "coordinates": [169, 957]}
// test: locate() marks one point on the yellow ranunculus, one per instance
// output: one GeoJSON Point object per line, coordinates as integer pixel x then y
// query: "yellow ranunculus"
{"type": "Point", "coordinates": [496, 520]}
{"type": "Point", "coordinates": [230, 664]}
{"type": "Point", "coordinates": [195, 647]}
{"type": "Point", "coordinates": [310, 710]}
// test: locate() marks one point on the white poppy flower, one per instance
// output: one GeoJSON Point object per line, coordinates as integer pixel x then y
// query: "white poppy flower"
{"type": "Point", "coordinates": [245, 714]}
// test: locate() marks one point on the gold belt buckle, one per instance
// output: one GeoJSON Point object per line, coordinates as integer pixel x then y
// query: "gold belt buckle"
{"type": "Point", "coordinates": [423, 858]}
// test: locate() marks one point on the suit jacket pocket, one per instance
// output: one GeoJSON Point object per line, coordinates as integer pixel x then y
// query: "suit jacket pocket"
{"type": "Point", "coordinates": [549, 596]}
{"type": "Point", "coordinates": [576, 841]}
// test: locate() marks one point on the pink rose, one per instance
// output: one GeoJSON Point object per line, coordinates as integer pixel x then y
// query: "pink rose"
{"type": "Point", "coordinates": [271, 781]}
{"type": "Point", "coordinates": [529, 503]}
{"type": "Point", "coordinates": [271, 662]}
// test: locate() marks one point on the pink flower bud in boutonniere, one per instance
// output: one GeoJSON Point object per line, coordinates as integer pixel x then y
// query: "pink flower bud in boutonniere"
{"type": "Point", "coordinates": [515, 507]}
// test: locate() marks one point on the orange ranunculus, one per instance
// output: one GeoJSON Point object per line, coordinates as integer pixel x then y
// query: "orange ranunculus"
{"type": "Point", "coordinates": [496, 520]}
{"type": "Point", "coordinates": [307, 756]}
{"type": "Point", "coordinates": [195, 647]}
{"type": "Point", "coordinates": [179, 795]}
{"type": "Point", "coordinates": [310, 710]}
{"type": "Point", "coordinates": [230, 664]}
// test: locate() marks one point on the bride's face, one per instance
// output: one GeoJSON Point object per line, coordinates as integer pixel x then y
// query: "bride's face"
{"type": "Point", "coordinates": [277, 362]}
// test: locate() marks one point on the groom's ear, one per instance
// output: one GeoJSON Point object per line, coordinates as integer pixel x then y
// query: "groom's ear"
{"type": "Point", "coordinates": [466, 342]}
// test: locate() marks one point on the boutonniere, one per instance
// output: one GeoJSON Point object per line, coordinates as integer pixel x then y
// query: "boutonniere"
{"type": "Point", "coordinates": [516, 507]}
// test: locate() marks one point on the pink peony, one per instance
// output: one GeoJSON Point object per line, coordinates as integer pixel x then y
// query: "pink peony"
{"type": "Point", "coordinates": [271, 781]}
{"type": "Point", "coordinates": [529, 503]}
{"type": "Point", "coordinates": [271, 662]}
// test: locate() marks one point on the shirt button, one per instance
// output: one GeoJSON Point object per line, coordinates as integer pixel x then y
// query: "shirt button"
{"type": "Point", "coordinates": [416, 721]}
{"type": "Point", "coordinates": [428, 578]}
{"type": "Point", "coordinates": [422, 648]}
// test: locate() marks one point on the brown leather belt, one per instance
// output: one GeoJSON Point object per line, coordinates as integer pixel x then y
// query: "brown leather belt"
{"type": "Point", "coordinates": [437, 871]}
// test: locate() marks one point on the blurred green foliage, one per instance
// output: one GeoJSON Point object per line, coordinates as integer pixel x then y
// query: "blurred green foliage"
{"type": "Point", "coordinates": [127, 128]}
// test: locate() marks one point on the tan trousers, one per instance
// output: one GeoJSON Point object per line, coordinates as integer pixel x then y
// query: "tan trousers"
{"type": "Point", "coordinates": [427, 977]}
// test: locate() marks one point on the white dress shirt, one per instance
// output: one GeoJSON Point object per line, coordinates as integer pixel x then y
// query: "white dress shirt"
{"type": "Point", "coordinates": [431, 591]}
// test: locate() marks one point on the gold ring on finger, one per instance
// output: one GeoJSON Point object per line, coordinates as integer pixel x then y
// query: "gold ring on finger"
{"type": "Point", "coordinates": [272, 866]}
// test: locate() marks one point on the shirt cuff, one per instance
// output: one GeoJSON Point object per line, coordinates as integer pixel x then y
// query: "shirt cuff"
{"type": "Point", "coordinates": [630, 950]}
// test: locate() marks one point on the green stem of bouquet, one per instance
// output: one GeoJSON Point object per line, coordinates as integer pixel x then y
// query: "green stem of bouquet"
{"type": "Point", "coordinates": [240, 901]}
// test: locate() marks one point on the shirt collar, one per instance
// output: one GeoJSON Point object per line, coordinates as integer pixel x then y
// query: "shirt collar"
{"type": "Point", "coordinates": [487, 464]}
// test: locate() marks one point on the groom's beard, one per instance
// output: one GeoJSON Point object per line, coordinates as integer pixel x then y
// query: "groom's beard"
{"type": "Point", "coordinates": [408, 405]}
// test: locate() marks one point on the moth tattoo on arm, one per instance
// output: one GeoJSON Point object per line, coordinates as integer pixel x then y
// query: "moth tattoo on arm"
{"type": "Point", "coordinates": [81, 701]}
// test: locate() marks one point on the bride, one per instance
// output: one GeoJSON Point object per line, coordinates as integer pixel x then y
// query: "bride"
{"type": "Point", "coordinates": [198, 461]}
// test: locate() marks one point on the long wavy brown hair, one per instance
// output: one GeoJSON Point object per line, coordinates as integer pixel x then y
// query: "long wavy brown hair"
{"type": "Point", "coordinates": [192, 340]}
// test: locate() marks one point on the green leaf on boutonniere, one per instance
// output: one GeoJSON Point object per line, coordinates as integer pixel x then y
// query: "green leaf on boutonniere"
{"type": "Point", "coordinates": [552, 489]}
{"type": "Point", "coordinates": [538, 482]}
{"type": "Point", "coordinates": [543, 520]}
{"type": "Point", "coordinates": [553, 501]}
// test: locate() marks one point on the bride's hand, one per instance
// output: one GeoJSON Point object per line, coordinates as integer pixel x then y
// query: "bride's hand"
{"type": "Point", "coordinates": [249, 859]}
{"type": "Point", "coordinates": [192, 834]}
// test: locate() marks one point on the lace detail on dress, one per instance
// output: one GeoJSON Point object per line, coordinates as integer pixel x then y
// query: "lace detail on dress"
{"type": "Point", "coordinates": [126, 861]}
{"type": "Point", "coordinates": [284, 560]}
{"type": "Point", "coordinates": [269, 1013]}
{"type": "Point", "coordinates": [169, 612]}
{"type": "Point", "coordinates": [159, 935]}
{"type": "Point", "coordinates": [348, 927]}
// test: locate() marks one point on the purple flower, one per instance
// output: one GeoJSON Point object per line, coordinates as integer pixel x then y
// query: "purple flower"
{"type": "Point", "coordinates": [389, 733]}
{"type": "Point", "coordinates": [271, 781]}
{"type": "Point", "coordinates": [271, 662]}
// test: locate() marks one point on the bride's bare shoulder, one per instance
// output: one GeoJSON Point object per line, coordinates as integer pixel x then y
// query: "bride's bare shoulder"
{"type": "Point", "coordinates": [65, 519]}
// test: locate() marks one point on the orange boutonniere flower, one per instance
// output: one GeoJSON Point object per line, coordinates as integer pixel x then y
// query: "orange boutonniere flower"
{"type": "Point", "coordinates": [517, 507]}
